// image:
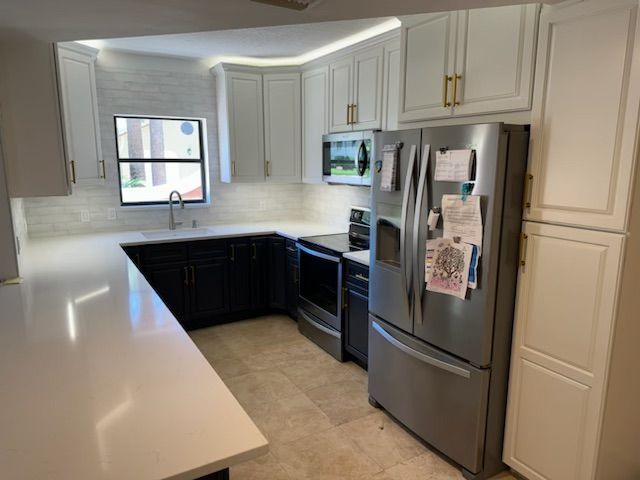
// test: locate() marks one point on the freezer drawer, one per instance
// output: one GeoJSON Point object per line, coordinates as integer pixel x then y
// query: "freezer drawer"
{"type": "Point", "coordinates": [442, 399]}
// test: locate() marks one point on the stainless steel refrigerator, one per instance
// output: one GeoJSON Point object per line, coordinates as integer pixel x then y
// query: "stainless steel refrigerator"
{"type": "Point", "coordinates": [437, 363]}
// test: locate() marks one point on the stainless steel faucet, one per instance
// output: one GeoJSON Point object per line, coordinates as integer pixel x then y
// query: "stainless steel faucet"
{"type": "Point", "coordinates": [172, 220]}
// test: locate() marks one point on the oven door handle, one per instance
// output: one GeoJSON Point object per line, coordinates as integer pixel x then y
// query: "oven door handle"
{"type": "Point", "coordinates": [324, 256]}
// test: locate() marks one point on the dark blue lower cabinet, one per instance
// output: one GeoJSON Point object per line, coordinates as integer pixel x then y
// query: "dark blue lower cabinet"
{"type": "Point", "coordinates": [356, 312]}
{"type": "Point", "coordinates": [221, 475]}
{"type": "Point", "coordinates": [214, 281]}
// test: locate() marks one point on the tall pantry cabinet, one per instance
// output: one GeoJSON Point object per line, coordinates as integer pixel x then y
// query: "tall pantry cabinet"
{"type": "Point", "coordinates": [572, 314]}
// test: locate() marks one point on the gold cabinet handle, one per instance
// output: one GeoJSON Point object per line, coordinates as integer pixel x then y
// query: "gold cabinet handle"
{"type": "Point", "coordinates": [344, 298]}
{"type": "Point", "coordinates": [353, 114]}
{"type": "Point", "coordinates": [528, 183]}
{"type": "Point", "coordinates": [186, 277]}
{"type": "Point", "coordinates": [73, 171]}
{"type": "Point", "coordinates": [193, 275]}
{"type": "Point", "coordinates": [233, 253]}
{"type": "Point", "coordinates": [524, 238]}
{"type": "Point", "coordinates": [233, 168]}
{"type": "Point", "coordinates": [104, 171]}
{"type": "Point", "coordinates": [349, 114]}
{"type": "Point", "coordinates": [456, 78]}
{"type": "Point", "coordinates": [445, 91]}
{"type": "Point", "coordinates": [268, 168]}
{"type": "Point", "coordinates": [254, 255]}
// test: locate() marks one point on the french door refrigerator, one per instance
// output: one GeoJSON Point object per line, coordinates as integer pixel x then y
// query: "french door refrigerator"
{"type": "Point", "coordinates": [437, 363]}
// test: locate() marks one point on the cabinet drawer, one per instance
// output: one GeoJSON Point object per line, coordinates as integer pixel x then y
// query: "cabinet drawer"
{"type": "Point", "coordinates": [292, 250]}
{"type": "Point", "coordinates": [164, 253]}
{"type": "Point", "coordinates": [208, 249]}
{"type": "Point", "coordinates": [357, 275]}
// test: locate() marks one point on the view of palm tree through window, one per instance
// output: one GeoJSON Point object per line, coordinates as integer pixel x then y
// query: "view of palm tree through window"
{"type": "Point", "coordinates": [158, 155]}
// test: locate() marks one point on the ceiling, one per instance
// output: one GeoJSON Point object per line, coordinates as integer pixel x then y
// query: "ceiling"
{"type": "Point", "coordinates": [286, 41]}
{"type": "Point", "coordinates": [59, 20]}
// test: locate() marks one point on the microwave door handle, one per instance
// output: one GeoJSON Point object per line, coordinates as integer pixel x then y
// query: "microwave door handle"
{"type": "Point", "coordinates": [406, 266]}
{"type": "Point", "coordinates": [362, 159]}
{"type": "Point", "coordinates": [418, 273]}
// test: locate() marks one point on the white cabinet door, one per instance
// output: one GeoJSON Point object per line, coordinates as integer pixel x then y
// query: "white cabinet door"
{"type": "Point", "coordinates": [367, 90]}
{"type": "Point", "coordinates": [585, 114]}
{"type": "Point", "coordinates": [428, 54]}
{"type": "Point", "coordinates": [282, 127]}
{"type": "Point", "coordinates": [494, 60]}
{"type": "Point", "coordinates": [340, 94]}
{"type": "Point", "coordinates": [315, 121]}
{"type": "Point", "coordinates": [564, 321]}
{"type": "Point", "coordinates": [80, 109]}
{"type": "Point", "coordinates": [246, 127]}
{"type": "Point", "coordinates": [391, 89]}
{"type": "Point", "coordinates": [31, 121]}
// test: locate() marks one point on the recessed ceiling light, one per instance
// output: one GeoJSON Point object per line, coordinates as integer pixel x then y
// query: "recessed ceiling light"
{"type": "Point", "coordinates": [291, 4]}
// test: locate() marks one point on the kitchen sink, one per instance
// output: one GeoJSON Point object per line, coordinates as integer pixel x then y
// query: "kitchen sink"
{"type": "Point", "coordinates": [186, 232]}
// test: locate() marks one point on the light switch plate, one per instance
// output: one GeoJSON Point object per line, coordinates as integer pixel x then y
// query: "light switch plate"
{"type": "Point", "coordinates": [85, 216]}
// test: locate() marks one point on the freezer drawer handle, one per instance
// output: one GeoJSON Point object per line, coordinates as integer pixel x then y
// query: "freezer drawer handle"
{"type": "Point", "coordinates": [315, 324]}
{"type": "Point", "coordinates": [421, 356]}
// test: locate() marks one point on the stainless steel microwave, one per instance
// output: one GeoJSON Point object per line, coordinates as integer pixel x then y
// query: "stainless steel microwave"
{"type": "Point", "coordinates": [346, 157]}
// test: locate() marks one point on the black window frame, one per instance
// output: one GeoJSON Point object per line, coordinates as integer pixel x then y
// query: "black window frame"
{"type": "Point", "coordinates": [202, 160]}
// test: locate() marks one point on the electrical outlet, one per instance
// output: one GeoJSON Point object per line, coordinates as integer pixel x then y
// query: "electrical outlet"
{"type": "Point", "coordinates": [111, 213]}
{"type": "Point", "coordinates": [85, 216]}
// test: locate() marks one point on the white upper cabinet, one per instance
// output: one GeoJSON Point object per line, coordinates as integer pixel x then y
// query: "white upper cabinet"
{"type": "Point", "coordinates": [565, 311]}
{"type": "Point", "coordinates": [240, 125]}
{"type": "Point", "coordinates": [468, 62]}
{"type": "Point", "coordinates": [585, 115]}
{"type": "Point", "coordinates": [80, 111]}
{"type": "Point", "coordinates": [340, 94]}
{"type": "Point", "coordinates": [31, 121]}
{"type": "Point", "coordinates": [427, 62]}
{"type": "Point", "coordinates": [367, 92]}
{"type": "Point", "coordinates": [355, 91]}
{"type": "Point", "coordinates": [494, 59]}
{"type": "Point", "coordinates": [391, 87]}
{"type": "Point", "coordinates": [282, 132]}
{"type": "Point", "coordinates": [315, 121]}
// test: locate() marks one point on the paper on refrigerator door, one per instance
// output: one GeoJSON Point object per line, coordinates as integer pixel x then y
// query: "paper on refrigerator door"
{"type": "Point", "coordinates": [389, 168]}
{"type": "Point", "coordinates": [453, 165]}
{"type": "Point", "coordinates": [449, 272]}
{"type": "Point", "coordinates": [463, 219]}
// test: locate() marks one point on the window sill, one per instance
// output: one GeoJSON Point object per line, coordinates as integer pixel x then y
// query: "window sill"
{"type": "Point", "coordinates": [187, 206]}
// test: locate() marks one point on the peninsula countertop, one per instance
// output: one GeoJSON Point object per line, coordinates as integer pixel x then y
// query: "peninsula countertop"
{"type": "Point", "coordinates": [98, 379]}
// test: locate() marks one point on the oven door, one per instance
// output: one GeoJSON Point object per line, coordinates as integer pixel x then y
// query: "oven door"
{"type": "Point", "coordinates": [321, 285]}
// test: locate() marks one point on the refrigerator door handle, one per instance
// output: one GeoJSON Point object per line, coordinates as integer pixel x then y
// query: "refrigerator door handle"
{"type": "Point", "coordinates": [409, 183]}
{"type": "Point", "coordinates": [418, 279]}
{"type": "Point", "coordinates": [419, 355]}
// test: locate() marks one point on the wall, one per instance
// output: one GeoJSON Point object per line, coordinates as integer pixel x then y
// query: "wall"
{"type": "Point", "coordinates": [331, 203]}
{"type": "Point", "coordinates": [153, 85]}
{"type": "Point", "coordinates": [8, 253]}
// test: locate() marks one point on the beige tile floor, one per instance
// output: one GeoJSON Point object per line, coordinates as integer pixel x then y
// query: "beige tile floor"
{"type": "Point", "coordinates": [313, 410]}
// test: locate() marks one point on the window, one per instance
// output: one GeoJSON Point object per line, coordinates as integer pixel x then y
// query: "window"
{"type": "Point", "coordinates": [157, 155]}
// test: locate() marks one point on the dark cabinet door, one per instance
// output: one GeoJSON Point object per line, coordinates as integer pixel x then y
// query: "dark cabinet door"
{"type": "Point", "coordinates": [277, 273]}
{"type": "Point", "coordinates": [209, 284]}
{"type": "Point", "coordinates": [260, 273]}
{"type": "Point", "coordinates": [240, 285]}
{"type": "Point", "coordinates": [357, 322]}
{"type": "Point", "coordinates": [293, 273]}
{"type": "Point", "coordinates": [170, 281]}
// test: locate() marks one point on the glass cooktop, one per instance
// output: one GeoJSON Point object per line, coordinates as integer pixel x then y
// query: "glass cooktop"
{"type": "Point", "coordinates": [338, 242]}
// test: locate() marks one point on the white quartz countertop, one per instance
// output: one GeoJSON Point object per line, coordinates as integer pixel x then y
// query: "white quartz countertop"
{"type": "Point", "coordinates": [361, 257]}
{"type": "Point", "coordinates": [97, 378]}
